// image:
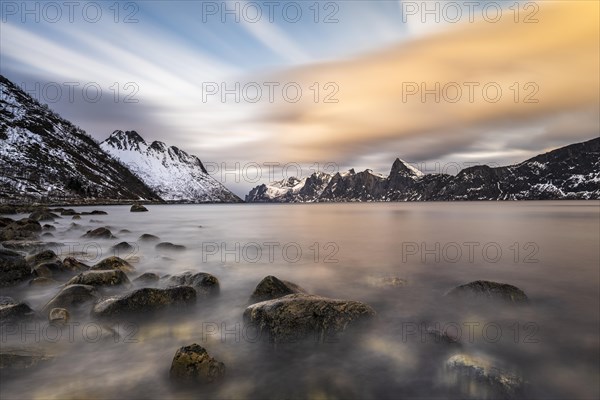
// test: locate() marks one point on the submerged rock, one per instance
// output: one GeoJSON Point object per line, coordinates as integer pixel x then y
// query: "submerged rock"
{"type": "Point", "coordinates": [75, 266]}
{"type": "Point", "coordinates": [193, 364]}
{"type": "Point", "coordinates": [113, 263]}
{"type": "Point", "coordinates": [43, 216]}
{"type": "Point", "coordinates": [114, 277]}
{"type": "Point", "coordinates": [122, 247]}
{"type": "Point", "coordinates": [99, 233]}
{"type": "Point", "coordinates": [43, 281]}
{"type": "Point", "coordinates": [52, 269]}
{"type": "Point", "coordinates": [146, 237]}
{"type": "Point", "coordinates": [386, 282]}
{"type": "Point", "coordinates": [6, 300]}
{"type": "Point", "coordinates": [168, 246]}
{"type": "Point", "coordinates": [14, 313]}
{"type": "Point", "coordinates": [147, 278]}
{"type": "Point", "coordinates": [487, 290]}
{"type": "Point", "coordinates": [76, 217]}
{"type": "Point", "coordinates": [68, 211]}
{"type": "Point", "coordinates": [206, 285]}
{"type": "Point", "coordinates": [59, 316]}
{"type": "Point", "coordinates": [29, 246]}
{"type": "Point", "coordinates": [138, 208]}
{"type": "Point", "coordinates": [98, 212]}
{"type": "Point", "coordinates": [143, 301]}
{"type": "Point", "coordinates": [12, 358]}
{"type": "Point", "coordinates": [42, 257]}
{"type": "Point", "coordinates": [271, 288]}
{"type": "Point", "coordinates": [479, 378]}
{"type": "Point", "coordinates": [22, 229]}
{"type": "Point", "coordinates": [302, 316]}
{"type": "Point", "coordinates": [72, 297]}
{"type": "Point", "coordinates": [48, 227]}
{"type": "Point", "coordinates": [13, 268]}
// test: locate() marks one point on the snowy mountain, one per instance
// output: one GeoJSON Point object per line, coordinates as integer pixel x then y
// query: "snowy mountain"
{"type": "Point", "coordinates": [171, 172]}
{"type": "Point", "coordinates": [291, 190]}
{"type": "Point", "coordinates": [571, 172]}
{"type": "Point", "coordinates": [44, 157]}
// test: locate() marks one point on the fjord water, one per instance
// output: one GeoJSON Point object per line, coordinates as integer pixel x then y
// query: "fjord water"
{"type": "Point", "coordinates": [548, 249]}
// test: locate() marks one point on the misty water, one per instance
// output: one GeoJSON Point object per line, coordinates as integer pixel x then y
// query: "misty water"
{"type": "Point", "coordinates": [550, 250]}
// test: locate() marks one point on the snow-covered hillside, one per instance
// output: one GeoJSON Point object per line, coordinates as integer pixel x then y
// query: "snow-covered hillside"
{"type": "Point", "coordinates": [44, 157]}
{"type": "Point", "coordinates": [171, 172]}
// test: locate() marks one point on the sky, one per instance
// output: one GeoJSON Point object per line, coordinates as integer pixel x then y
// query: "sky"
{"type": "Point", "coordinates": [263, 90]}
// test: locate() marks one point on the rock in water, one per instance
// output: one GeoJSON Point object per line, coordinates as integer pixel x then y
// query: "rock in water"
{"type": "Point", "coordinates": [479, 378]}
{"type": "Point", "coordinates": [59, 316]}
{"type": "Point", "coordinates": [301, 316]}
{"type": "Point", "coordinates": [478, 290]}
{"type": "Point", "coordinates": [74, 266]}
{"type": "Point", "coordinates": [20, 230]}
{"type": "Point", "coordinates": [68, 211]}
{"type": "Point", "coordinates": [98, 212]}
{"type": "Point", "coordinates": [43, 216]}
{"type": "Point", "coordinates": [168, 246]}
{"type": "Point", "coordinates": [22, 358]}
{"type": "Point", "coordinates": [138, 208]}
{"type": "Point", "coordinates": [100, 278]}
{"type": "Point", "coordinates": [41, 257]}
{"type": "Point", "coordinates": [122, 248]}
{"type": "Point", "coordinates": [14, 313]}
{"type": "Point", "coordinates": [206, 285]}
{"type": "Point", "coordinates": [143, 301]}
{"type": "Point", "coordinates": [99, 233]}
{"type": "Point", "coordinates": [193, 364]}
{"type": "Point", "coordinates": [271, 288]}
{"type": "Point", "coordinates": [113, 263]}
{"type": "Point", "coordinates": [13, 268]}
{"type": "Point", "coordinates": [43, 281]}
{"type": "Point", "coordinates": [147, 278]}
{"type": "Point", "coordinates": [72, 297]}
{"type": "Point", "coordinates": [146, 237]}
{"type": "Point", "coordinates": [386, 282]}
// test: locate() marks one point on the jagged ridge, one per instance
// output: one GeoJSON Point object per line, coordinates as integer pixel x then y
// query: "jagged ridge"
{"type": "Point", "coordinates": [571, 172]}
{"type": "Point", "coordinates": [171, 172]}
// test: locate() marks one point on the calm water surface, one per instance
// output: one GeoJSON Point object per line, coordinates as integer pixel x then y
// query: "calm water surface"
{"type": "Point", "coordinates": [548, 249]}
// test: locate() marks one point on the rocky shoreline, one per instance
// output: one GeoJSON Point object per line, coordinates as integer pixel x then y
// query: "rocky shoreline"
{"type": "Point", "coordinates": [281, 312]}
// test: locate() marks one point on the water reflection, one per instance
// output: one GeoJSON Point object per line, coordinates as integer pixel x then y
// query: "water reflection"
{"type": "Point", "coordinates": [548, 249]}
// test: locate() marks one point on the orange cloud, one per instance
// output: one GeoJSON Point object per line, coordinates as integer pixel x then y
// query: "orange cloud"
{"type": "Point", "coordinates": [554, 64]}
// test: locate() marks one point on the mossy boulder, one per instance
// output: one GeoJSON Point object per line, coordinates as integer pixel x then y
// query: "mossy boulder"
{"type": "Point", "coordinates": [206, 285]}
{"type": "Point", "coordinates": [488, 290]}
{"type": "Point", "coordinates": [297, 317]}
{"type": "Point", "coordinates": [108, 278]}
{"type": "Point", "coordinates": [193, 365]}
{"type": "Point", "coordinates": [272, 288]}
{"type": "Point", "coordinates": [144, 300]}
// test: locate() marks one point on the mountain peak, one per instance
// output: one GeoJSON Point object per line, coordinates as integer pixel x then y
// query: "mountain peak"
{"type": "Point", "coordinates": [174, 174]}
{"type": "Point", "coordinates": [125, 140]}
{"type": "Point", "coordinates": [404, 168]}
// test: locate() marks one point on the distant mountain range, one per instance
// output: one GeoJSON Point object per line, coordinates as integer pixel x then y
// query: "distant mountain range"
{"type": "Point", "coordinates": [571, 172]}
{"type": "Point", "coordinates": [172, 173]}
{"type": "Point", "coordinates": [45, 158]}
